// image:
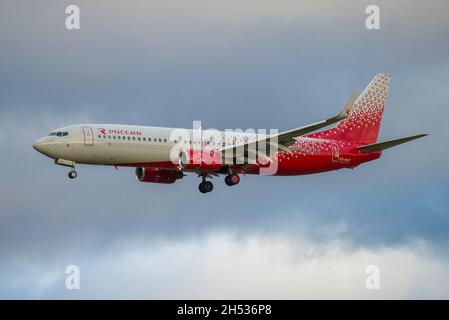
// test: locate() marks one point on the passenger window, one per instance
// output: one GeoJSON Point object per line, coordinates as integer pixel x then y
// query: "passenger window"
{"type": "Point", "coordinates": [99, 136]}
{"type": "Point", "coordinates": [165, 140]}
{"type": "Point", "coordinates": [109, 137]}
{"type": "Point", "coordinates": [129, 138]}
{"type": "Point", "coordinates": [144, 139]}
{"type": "Point", "coordinates": [114, 137]}
{"type": "Point", "coordinates": [134, 138]}
{"type": "Point", "coordinates": [160, 140]}
{"type": "Point", "coordinates": [104, 137]}
{"type": "Point", "coordinates": [138, 139]}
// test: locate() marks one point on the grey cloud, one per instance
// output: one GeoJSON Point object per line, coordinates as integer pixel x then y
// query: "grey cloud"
{"type": "Point", "coordinates": [226, 266]}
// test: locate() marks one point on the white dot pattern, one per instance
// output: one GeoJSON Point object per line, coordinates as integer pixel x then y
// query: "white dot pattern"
{"type": "Point", "coordinates": [362, 126]}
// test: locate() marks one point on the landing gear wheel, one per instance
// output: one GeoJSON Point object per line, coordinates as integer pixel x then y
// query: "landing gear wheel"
{"type": "Point", "coordinates": [232, 179]}
{"type": "Point", "coordinates": [73, 174]}
{"type": "Point", "coordinates": [206, 186]}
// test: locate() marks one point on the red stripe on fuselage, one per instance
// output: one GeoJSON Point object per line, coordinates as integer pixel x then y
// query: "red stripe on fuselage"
{"type": "Point", "coordinates": [308, 156]}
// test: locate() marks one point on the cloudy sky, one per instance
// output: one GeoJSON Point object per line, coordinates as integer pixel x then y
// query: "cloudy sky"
{"type": "Point", "coordinates": [231, 64]}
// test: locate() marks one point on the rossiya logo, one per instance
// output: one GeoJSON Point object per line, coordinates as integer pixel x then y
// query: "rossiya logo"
{"type": "Point", "coordinates": [120, 132]}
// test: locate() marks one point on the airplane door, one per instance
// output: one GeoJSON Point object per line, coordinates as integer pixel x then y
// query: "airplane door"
{"type": "Point", "coordinates": [88, 135]}
{"type": "Point", "coordinates": [335, 152]}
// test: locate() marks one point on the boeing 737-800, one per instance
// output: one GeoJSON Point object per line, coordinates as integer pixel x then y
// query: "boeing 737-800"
{"type": "Point", "coordinates": [164, 155]}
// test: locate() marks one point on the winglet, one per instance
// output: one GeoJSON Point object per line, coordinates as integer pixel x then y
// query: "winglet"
{"type": "Point", "coordinates": [388, 144]}
{"type": "Point", "coordinates": [346, 111]}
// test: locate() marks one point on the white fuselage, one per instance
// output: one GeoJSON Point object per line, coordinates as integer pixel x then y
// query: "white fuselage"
{"type": "Point", "coordinates": [110, 144]}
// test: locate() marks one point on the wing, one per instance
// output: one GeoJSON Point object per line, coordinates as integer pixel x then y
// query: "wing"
{"type": "Point", "coordinates": [286, 138]}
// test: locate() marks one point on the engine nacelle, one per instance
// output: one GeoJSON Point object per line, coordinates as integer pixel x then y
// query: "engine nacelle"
{"type": "Point", "coordinates": [201, 160]}
{"type": "Point", "coordinates": [157, 175]}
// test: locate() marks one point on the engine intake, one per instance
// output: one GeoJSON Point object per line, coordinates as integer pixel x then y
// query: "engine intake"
{"type": "Point", "coordinates": [157, 175]}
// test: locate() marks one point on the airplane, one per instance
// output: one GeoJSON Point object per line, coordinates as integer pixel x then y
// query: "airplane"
{"type": "Point", "coordinates": [351, 142]}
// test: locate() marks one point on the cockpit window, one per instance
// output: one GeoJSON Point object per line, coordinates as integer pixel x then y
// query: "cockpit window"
{"type": "Point", "coordinates": [59, 133]}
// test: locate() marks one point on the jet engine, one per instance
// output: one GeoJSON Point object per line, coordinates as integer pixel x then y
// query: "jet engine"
{"type": "Point", "coordinates": [157, 175]}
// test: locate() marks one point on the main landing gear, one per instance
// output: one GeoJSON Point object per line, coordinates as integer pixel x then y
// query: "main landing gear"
{"type": "Point", "coordinates": [205, 186]}
{"type": "Point", "coordinates": [232, 179]}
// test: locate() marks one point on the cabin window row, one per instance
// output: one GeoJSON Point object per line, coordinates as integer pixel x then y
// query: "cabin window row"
{"type": "Point", "coordinates": [132, 138]}
{"type": "Point", "coordinates": [145, 139]}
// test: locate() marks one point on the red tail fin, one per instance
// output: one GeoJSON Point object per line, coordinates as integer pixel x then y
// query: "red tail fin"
{"type": "Point", "coordinates": [362, 125]}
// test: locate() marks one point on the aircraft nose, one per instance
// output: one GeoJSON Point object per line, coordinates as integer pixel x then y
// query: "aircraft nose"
{"type": "Point", "coordinates": [40, 146]}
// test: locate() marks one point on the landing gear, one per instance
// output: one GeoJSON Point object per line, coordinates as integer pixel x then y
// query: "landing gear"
{"type": "Point", "coordinates": [67, 163]}
{"type": "Point", "coordinates": [73, 174]}
{"type": "Point", "coordinates": [232, 179]}
{"type": "Point", "coordinates": [206, 186]}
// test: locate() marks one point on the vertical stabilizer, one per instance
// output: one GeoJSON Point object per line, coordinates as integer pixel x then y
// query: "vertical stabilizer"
{"type": "Point", "coordinates": [362, 125]}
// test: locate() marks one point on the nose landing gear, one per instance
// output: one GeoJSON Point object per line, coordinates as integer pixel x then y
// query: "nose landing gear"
{"type": "Point", "coordinates": [73, 174]}
{"type": "Point", "coordinates": [67, 163]}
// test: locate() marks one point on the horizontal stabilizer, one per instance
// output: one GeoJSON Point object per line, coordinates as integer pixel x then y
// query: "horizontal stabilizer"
{"type": "Point", "coordinates": [388, 144]}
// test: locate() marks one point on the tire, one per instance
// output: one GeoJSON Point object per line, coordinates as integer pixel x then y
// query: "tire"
{"type": "Point", "coordinates": [201, 188]}
{"type": "Point", "coordinates": [232, 179]}
{"type": "Point", "coordinates": [72, 174]}
{"type": "Point", "coordinates": [208, 186]}
{"type": "Point", "coordinates": [235, 178]}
